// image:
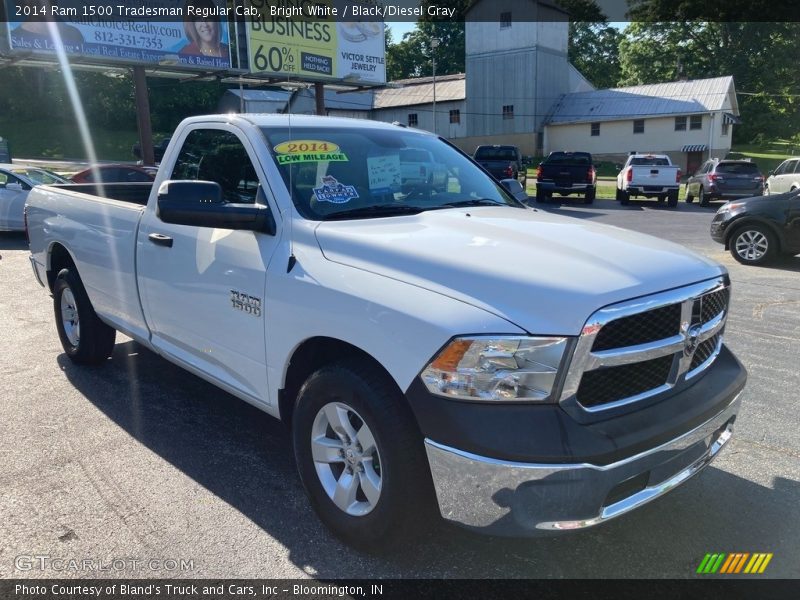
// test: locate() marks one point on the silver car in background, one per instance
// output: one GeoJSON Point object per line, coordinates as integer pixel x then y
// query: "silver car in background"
{"type": "Point", "coordinates": [15, 183]}
{"type": "Point", "coordinates": [785, 178]}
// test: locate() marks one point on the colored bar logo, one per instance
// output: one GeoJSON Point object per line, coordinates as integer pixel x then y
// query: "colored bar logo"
{"type": "Point", "coordinates": [734, 563]}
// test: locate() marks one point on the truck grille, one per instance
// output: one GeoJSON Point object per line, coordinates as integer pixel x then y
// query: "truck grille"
{"type": "Point", "coordinates": [638, 349]}
{"type": "Point", "coordinates": [609, 383]}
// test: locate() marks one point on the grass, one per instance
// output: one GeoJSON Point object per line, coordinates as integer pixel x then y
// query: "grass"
{"type": "Point", "coordinates": [47, 139]}
{"type": "Point", "coordinates": [766, 155]}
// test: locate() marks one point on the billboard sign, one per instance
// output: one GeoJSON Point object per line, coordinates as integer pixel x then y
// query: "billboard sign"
{"type": "Point", "coordinates": [182, 37]}
{"type": "Point", "coordinates": [305, 40]}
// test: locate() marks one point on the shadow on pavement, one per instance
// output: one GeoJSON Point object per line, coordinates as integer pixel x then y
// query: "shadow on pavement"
{"type": "Point", "coordinates": [244, 457]}
{"type": "Point", "coordinates": [13, 240]}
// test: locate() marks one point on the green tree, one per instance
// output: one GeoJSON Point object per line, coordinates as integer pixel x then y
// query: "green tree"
{"type": "Point", "coordinates": [412, 56]}
{"type": "Point", "coordinates": [762, 57]}
{"type": "Point", "coordinates": [593, 43]}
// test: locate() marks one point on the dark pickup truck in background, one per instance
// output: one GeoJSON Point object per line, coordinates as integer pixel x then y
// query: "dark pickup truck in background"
{"type": "Point", "coordinates": [566, 173]}
{"type": "Point", "coordinates": [503, 162]}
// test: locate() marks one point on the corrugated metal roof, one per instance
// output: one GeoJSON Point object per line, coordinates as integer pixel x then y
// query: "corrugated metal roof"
{"type": "Point", "coordinates": [658, 99]}
{"type": "Point", "coordinates": [420, 91]}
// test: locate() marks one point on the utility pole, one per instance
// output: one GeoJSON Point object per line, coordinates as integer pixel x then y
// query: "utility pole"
{"type": "Point", "coordinates": [434, 45]}
{"type": "Point", "coordinates": [319, 96]}
{"type": "Point", "coordinates": [143, 116]}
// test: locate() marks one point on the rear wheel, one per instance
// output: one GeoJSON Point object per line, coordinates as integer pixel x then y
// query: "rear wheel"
{"type": "Point", "coordinates": [541, 196]}
{"type": "Point", "coordinates": [689, 196]}
{"type": "Point", "coordinates": [360, 455]}
{"type": "Point", "coordinates": [702, 197]}
{"type": "Point", "coordinates": [753, 244]}
{"type": "Point", "coordinates": [624, 197]}
{"type": "Point", "coordinates": [590, 195]}
{"type": "Point", "coordinates": [84, 337]}
{"type": "Point", "coordinates": [672, 198]}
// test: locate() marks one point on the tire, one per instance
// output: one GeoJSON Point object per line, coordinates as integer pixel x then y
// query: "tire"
{"type": "Point", "coordinates": [624, 198]}
{"type": "Point", "coordinates": [590, 195]}
{"type": "Point", "coordinates": [672, 199]}
{"type": "Point", "coordinates": [753, 244]}
{"type": "Point", "coordinates": [85, 338]}
{"type": "Point", "coordinates": [541, 196]}
{"type": "Point", "coordinates": [689, 197]}
{"type": "Point", "coordinates": [391, 496]}
{"type": "Point", "coordinates": [702, 198]}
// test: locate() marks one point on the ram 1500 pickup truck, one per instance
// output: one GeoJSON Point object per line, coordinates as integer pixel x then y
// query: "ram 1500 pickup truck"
{"type": "Point", "coordinates": [649, 176]}
{"type": "Point", "coordinates": [524, 372]}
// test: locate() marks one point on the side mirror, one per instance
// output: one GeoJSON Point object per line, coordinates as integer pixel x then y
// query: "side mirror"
{"type": "Point", "coordinates": [514, 187]}
{"type": "Point", "coordinates": [15, 187]}
{"type": "Point", "coordinates": [200, 203]}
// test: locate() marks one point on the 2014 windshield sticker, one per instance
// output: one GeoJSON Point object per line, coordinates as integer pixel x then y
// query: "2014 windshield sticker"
{"type": "Point", "coordinates": [297, 151]}
{"type": "Point", "coordinates": [335, 192]}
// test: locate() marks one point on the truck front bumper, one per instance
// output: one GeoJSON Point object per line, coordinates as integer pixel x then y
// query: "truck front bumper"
{"type": "Point", "coordinates": [581, 484]}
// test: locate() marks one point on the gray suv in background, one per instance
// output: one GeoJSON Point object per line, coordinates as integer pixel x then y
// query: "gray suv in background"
{"type": "Point", "coordinates": [725, 180]}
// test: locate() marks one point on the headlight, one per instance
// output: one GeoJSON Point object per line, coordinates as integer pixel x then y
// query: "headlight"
{"type": "Point", "coordinates": [502, 369]}
{"type": "Point", "coordinates": [731, 207]}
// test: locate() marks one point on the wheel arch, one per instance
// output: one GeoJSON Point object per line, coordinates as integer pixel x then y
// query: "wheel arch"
{"type": "Point", "coordinates": [310, 355]}
{"type": "Point", "coordinates": [58, 257]}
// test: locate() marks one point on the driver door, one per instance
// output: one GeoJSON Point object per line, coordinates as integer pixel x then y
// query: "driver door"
{"type": "Point", "coordinates": [203, 288]}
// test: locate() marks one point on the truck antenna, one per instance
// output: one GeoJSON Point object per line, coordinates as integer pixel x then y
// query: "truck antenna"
{"type": "Point", "coordinates": [292, 259]}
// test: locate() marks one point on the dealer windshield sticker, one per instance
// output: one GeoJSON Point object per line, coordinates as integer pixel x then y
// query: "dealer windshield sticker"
{"type": "Point", "coordinates": [297, 151]}
{"type": "Point", "coordinates": [384, 172]}
{"type": "Point", "coordinates": [335, 192]}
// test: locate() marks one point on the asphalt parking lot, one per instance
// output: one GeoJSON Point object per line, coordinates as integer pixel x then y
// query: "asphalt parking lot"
{"type": "Point", "coordinates": [139, 459]}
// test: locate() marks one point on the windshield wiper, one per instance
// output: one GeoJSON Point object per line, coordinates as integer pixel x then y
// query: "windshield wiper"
{"type": "Point", "coordinates": [376, 210]}
{"type": "Point", "coordinates": [475, 202]}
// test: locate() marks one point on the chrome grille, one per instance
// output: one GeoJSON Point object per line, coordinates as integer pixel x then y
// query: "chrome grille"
{"type": "Point", "coordinates": [609, 383]}
{"type": "Point", "coordinates": [638, 349]}
{"type": "Point", "coordinates": [640, 328]}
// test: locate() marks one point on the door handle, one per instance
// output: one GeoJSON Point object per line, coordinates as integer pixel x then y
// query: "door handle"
{"type": "Point", "coordinates": [160, 239]}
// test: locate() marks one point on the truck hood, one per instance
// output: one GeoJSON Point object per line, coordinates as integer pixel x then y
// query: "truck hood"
{"type": "Point", "coordinates": [545, 273]}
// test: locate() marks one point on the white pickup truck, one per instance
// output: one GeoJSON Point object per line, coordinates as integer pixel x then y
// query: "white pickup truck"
{"type": "Point", "coordinates": [649, 176]}
{"type": "Point", "coordinates": [524, 372]}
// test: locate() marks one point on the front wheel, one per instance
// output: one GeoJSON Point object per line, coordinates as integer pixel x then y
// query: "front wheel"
{"type": "Point", "coordinates": [85, 338]}
{"type": "Point", "coordinates": [360, 455]}
{"type": "Point", "coordinates": [753, 244]}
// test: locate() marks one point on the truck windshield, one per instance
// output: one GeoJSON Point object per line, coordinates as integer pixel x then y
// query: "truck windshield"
{"type": "Point", "coordinates": [649, 161]}
{"type": "Point", "coordinates": [360, 172]}
{"type": "Point", "coordinates": [492, 153]}
{"type": "Point", "coordinates": [569, 158]}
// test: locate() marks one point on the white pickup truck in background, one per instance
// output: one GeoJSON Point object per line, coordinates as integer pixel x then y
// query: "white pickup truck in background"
{"type": "Point", "coordinates": [526, 372]}
{"type": "Point", "coordinates": [649, 176]}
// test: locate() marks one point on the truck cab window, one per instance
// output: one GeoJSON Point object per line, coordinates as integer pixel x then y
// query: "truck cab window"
{"type": "Point", "coordinates": [220, 156]}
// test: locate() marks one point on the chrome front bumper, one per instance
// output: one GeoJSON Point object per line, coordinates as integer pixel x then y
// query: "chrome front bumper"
{"type": "Point", "coordinates": [508, 498]}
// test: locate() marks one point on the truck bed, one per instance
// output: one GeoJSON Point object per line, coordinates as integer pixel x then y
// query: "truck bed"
{"type": "Point", "coordinates": [135, 193]}
{"type": "Point", "coordinates": [105, 228]}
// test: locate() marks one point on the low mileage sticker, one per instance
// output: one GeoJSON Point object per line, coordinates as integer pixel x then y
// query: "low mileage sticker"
{"type": "Point", "coordinates": [295, 151]}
